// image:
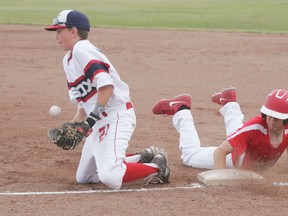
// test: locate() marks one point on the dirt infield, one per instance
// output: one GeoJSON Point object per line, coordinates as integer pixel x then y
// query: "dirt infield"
{"type": "Point", "coordinates": [156, 64]}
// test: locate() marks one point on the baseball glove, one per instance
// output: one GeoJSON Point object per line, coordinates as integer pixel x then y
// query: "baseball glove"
{"type": "Point", "coordinates": [69, 134]}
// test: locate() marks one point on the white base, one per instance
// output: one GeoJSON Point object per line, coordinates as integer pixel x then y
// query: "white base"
{"type": "Point", "coordinates": [230, 177]}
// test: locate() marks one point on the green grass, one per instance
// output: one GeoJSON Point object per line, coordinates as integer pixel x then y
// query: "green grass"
{"type": "Point", "coordinates": [228, 15]}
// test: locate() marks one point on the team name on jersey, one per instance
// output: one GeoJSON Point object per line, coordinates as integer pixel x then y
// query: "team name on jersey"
{"type": "Point", "coordinates": [82, 89]}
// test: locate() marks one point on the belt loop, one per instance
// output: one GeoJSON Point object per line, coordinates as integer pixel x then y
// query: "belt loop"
{"type": "Point", "coordinates": [129, 105]}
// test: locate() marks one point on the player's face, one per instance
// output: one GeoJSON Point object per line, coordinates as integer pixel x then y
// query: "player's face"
{"type": "Point", "coordinates": [65, 38]}
{"type": "Point", "coordinates": [274, 124]}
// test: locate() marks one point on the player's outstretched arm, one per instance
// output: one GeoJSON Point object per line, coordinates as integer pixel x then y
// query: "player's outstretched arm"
{"type": "Point", "coordinates": [220, 155]}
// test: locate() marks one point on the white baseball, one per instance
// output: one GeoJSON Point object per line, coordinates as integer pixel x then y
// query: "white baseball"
{"type": "Point", "coordinates": [54, 111]}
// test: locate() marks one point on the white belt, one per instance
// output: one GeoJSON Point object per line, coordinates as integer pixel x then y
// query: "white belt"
{"type": "Point", "coordinates": [124, 106]}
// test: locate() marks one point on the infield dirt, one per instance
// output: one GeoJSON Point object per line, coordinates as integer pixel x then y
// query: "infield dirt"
{"type": "Point", "coordinates": [156, 64]}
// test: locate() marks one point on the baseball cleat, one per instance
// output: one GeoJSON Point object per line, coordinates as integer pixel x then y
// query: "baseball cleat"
{"type": "Point", "coordinates": [171, 106]}
{"type": "Point", "coordinates": [160, 159]}
{"type": "Point", "coordinates": [148, 154]}
{"type": "Point", "coordinates": [225, 96]}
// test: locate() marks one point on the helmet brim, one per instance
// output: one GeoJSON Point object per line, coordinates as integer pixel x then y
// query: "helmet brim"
{"type": "Point", "coordinates": [272, 113]}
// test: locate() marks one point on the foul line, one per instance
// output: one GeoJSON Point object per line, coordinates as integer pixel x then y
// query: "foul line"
{"type": "Point", "coordinates": [192, 186]}
{"type": "Point", "coordinates": [284, 184]}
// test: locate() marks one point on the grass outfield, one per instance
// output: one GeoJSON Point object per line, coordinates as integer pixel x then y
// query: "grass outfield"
{"type": "Point", "coordinates": [228, 15]}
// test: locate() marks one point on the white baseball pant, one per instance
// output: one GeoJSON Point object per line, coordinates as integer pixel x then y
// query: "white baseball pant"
{"type": "Point", "coordinates": [104, 151]}
{"type": "Point", "coordinates": [189, 143]}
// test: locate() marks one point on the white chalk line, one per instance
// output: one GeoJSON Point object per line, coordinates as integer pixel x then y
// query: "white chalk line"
{"type": "Point", "coordinates": [192, 186]}
{"type": "Point", "coordinates": [284, 184]}
{"type": "Point", "coordinates": [8, 193]}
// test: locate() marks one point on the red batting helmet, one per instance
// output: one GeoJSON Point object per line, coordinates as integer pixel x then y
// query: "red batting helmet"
{"type": "Point", "coordinates": [276, 104]}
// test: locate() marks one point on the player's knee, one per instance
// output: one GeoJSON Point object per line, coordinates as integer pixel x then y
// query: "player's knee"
{"type": "Point", "coordinates": [112, 181]}
{"type": "Point", "coordinates": [80, 179]}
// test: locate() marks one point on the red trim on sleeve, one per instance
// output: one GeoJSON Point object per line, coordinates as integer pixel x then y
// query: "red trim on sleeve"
{"type": "Point", "coordinates": [103, 67]}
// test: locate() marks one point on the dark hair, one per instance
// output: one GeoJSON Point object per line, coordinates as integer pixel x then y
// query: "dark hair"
{"type": "Point", "coordinates": [83, 34]}
{"type": "Point", "coordinates": [285, 121]}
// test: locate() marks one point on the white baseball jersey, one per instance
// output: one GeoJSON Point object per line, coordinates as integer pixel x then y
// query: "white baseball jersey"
{"type": "Point", "coordinates": [87, 69]}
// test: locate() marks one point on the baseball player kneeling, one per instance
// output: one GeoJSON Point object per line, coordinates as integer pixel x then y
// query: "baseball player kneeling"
{"type": "Point", "coordinates": [105, 115]}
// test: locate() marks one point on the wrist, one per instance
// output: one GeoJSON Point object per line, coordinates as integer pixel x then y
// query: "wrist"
{"type": "Point", "coordinates": [91, 119]}
{"type": "Point", "coordinates": [95, 115]}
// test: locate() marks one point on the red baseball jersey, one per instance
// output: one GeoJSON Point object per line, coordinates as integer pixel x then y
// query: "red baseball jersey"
{"type": "Point", "coordinates": [251, 144]}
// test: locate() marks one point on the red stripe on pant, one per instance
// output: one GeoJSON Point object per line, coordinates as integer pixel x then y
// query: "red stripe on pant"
{"type": "Point", "coordinates": [136, 171]}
